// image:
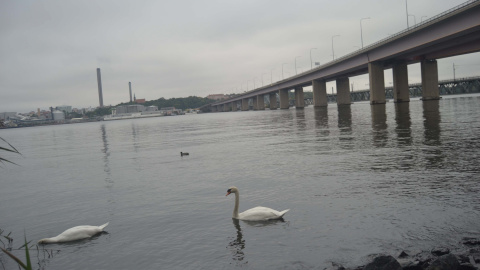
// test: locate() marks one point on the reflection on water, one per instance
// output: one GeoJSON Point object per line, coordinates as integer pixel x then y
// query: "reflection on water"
{"type": "Point", "coordinates": [321, 116]}
{"type": "Point", "coordinates": [345, 126]}
{"type": "Point", "coordinates": [300, 119]}
{"type": "Point", "coordinates": [345, 119]}
{"type": "Point", "coordinates": [237, 244]}
{"type": "Point", "coordinates": [404, 123]}
{"type": "Point", "coordinates": [106, 154]}
{"type": "Point", "coordinates": [431, 123]}
{"type": "Point", "coordinates": [379, 125]}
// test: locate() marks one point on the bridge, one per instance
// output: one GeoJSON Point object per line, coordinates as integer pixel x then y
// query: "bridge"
{"type": "Point", "coordinates": [466, 85]}
{"type": "Point", "coordinates": [453, 32]}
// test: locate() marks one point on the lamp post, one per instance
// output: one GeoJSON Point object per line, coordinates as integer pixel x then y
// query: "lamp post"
{"type": "Point", "coordinates": [311, 66]}
{"type": "Point", "coordinates": [296, 64]}
{"type": "Point", "coordinates": [414, 18]}
{"type": "Point", "coordinates": [333, 54]}
{"type": "Point", "coordinates": [421, 18]}
{"type": "Point", "coordinates": [361, 30]}
{"type": "Point", "coordinates": [271, 76]}
{"type": "Point", "coordinates": [254, 82]}
{"type": "Point", "coordinates": [282, 70]}
{"type": "Point", "coordinates": [454, 71]}
{"type": "Point", "coordinates": [262, 77]}
{"type": "Point", "coordinates": [406, 10]}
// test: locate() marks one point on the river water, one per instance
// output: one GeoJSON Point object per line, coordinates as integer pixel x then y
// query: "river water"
{"type": "Point", "coordinates": [359, 180]}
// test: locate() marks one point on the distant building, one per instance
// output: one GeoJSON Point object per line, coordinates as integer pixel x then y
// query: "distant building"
{"type": "Point", "coordinates": [58, 115]}
{"type": "Point", "coordinates": [140, 100]}
{"type": "Point", "coordinates": [7, 115]}
{"type": "Point", "coordinates": [65, 108]}
{"type": "Point", "coordinates": [129, 109]}
{"type": "Point", "coordinates": [216, 96]}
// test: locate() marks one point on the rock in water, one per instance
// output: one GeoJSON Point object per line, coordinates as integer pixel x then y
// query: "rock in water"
{"type": "Point", "coordinates": [445, 262]}
{"type": "Point", "coordinates": [383, 262]}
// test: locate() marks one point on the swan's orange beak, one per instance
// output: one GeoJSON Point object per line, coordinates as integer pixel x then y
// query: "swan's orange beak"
{"type": "Point", "coordinates": [228, 193]}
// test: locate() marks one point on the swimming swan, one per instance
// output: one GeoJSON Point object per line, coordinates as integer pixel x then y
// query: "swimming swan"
{"type": "Point", "coordinates": [258, 213]}
{"type": "Point", "coordinates": [75, 233]}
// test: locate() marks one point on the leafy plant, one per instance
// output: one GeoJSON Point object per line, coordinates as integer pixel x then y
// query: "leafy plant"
{"type": "Point", "coordinates": [28, 265]}
{"type": "Point", "coordinates": [11, 149]}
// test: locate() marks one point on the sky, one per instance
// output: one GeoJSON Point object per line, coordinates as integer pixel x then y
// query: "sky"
{"type": "Point", "coordinates": [50, 50]}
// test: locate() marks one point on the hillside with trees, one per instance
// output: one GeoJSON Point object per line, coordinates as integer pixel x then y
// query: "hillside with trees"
{"type": "Point", "coordinates": [190, 102]}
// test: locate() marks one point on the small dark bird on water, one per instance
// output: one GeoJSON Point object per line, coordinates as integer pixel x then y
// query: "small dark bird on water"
{"type": "Point", "coordinates": [183, 154]}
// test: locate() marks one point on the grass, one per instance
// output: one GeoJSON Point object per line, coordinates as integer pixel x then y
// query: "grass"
{"type": "Point", "coordinates": [10, 149]}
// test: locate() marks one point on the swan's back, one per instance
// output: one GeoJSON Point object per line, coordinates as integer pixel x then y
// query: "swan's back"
{"type": "Point", "coordinates": [75, 233]}
{"type": "Point", "coordinates": [261, 213]}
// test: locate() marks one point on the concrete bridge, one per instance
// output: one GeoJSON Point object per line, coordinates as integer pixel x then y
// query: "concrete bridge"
{"type": "Point", "coordinates": [453, 32]}
{"type": "Point", "coordinates": [446, 87]}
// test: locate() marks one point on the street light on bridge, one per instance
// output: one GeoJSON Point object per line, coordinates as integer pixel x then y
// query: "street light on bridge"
{"type": "Point", "coordinates": [296, 64]}
{"type": "Point", "coordinates": [311, 66]}
{"type": "Point", "coordinates": [282, 70]}
{"type": "Point", "coordinates": [361, 31]}
{"type": "Point", "coordinates": [333, 54]}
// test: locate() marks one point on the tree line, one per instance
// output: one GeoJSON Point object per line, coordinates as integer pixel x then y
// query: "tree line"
{"type": "Point", "coordinates": [190, 102]}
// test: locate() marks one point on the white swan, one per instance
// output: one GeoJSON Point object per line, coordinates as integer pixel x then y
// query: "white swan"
{"type": "Point", "coordinates": [75, 233]}
{"type": "Point", "coordinates": [258, 213]}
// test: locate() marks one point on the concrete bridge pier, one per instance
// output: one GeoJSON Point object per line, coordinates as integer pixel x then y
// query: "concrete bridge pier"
{"type": "Point", "coordinates": [319, 93]}
{"type": "Point", "coordinates": [377, 83]}
{"type": "Point", "coordinates": [234, 106]}
{"type": "Point", "coordinates": [299, 98]}
{"type": "Point", "coordinates": [273, 101]}
{"type": "Point", "coordinates": [429, 72]}
{"type": "Point", "coordinates": [400, 82]}
{"type": "Point", "coordinates": [244, 104]}
{"type": "Point", "coordinates": [284, 99]}
{"type": "Point", "coordinates": [261, 102]}
{"type": "Point", "coordinates": [343, 91]}
{"type": "Point", "coordinates": [255, 103]}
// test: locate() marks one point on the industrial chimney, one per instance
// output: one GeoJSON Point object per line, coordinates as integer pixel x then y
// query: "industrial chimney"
{"type": "Point", "coordinates": [99, 80]}
{"type": "Point", "coordinates": [130, 87]}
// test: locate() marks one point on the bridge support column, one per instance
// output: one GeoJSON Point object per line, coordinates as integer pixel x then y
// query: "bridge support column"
{"type": "Point", "coordinates": [377, 83]}
{"type": "Point", "coordinates": [319, 93]}
{"type": "Point", "coordinates": [255, 103]}
{"type": "Point", "coordinates": [284, 99]}
{"type": "Point", "coordinates": [244, 104]}
{"type": "Point", "coordinates": [234, 106]}
{"type": "Point", "coordinates": [400, 82]}
{"type": "Point", "coordinates": [273, 101]}
{"type": "Point", "coordinates": [260, 102]}
{"type": "Point", "coordinates": [343, 91]}
{"type": "Point", "coordinates": [299, 98]}
{"type": "Point", "coordinates": [214, 108]}
{"type": "Point", "coordinates": [226, 107]}
{"type": "Point", "coordinates": [429, 72]}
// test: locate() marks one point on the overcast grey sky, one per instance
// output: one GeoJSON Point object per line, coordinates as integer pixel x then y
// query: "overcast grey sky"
{"type": "Point", "coordinates": [50, 50]}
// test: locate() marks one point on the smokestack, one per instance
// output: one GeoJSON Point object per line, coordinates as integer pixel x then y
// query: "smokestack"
{"type": "Point", "coordinates": [130, 87]}
{"type": "Point", "coordinates": [99, 80]}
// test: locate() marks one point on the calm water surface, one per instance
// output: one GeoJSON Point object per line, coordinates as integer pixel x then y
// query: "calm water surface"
{"type": "Point", "coordinates": [358, 180]}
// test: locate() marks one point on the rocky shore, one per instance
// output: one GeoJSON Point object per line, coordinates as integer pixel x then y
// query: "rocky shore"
{"type": "Point", "coordinates": [467, 257]}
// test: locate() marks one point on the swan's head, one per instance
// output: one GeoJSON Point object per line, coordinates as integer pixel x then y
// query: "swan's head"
{"type": "Point", "coordinates": [232, 190]}
{"type": "Point", "coordinates": [44, 241]}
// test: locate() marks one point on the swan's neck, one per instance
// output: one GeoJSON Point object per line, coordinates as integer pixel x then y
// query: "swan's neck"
{"type": "Point", "coordinates": [237, 202]}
